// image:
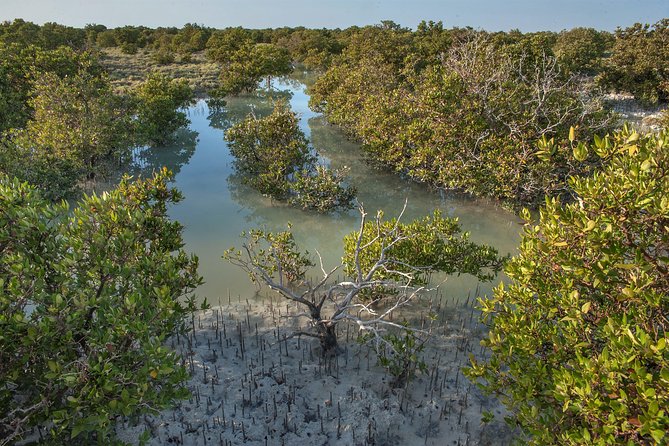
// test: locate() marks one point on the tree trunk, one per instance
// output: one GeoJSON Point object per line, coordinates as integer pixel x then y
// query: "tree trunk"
{"type": "Point", "coordinates": [326, 330]}
{"type": "Point", "coordinates": [328, 336]}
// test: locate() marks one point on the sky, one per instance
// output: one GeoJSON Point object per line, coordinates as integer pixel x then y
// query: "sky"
{"type": "Point", "coordinates": [492, 15]}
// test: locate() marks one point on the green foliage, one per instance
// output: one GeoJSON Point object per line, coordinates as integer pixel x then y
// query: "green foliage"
{"type": "Point", "coordinates": [581, 50]}
{"type": "Point", "coordinates": [159, 100]}
{"type": "Point", "coordinates": [275, 158]}
{"type": "Point", "coordinates": [466, 118]}
{"type": "Point", "coordinates": [419, 248]}
{"type": "Point", "coordinates": [639, 63]}
{"type": "Point", "coordinates": [87, 300]}
{"type": "Point", "coordinates": [277, 252]}
{"type": "Point", "coordinates": [66, 122]}
{"type": "Point", "coordinates": [106, 39]}
{"type": "Point", "coordinates": [400, 354]}
{"type": "Point", "coordinates": [48, 36]}
{"type": "Point", "coordinates": [245, 60]}
{"type": "Point", "coordinates": [190, 38]}
{"type": "Point", "coordinates": [251, 63]}
{"type": "Point", "coordinates": [269, 150]}
{"type": "Point", "coordinates": [578, 339]}
{"type": "Point", "coordinates": [223, 44]}
{"type": "Point", "coordinates": [164, 57]}
{"type": "Point", "coordinates": [131, 38]}
{"type": "Point", "coordinates": [321, 189]}
{"type": "Point", "coordinates": [54, 176]}
{"type": "Point", "coordinates": [79, 117]}
{"type": "Point", "coordinates": [78, 128]}
{"type": "Point", "coordinates": [20, 66]}
{"type": "Point", "coordinates": [312, 47]}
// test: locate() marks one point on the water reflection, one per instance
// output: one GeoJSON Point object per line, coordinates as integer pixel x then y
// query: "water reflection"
{"type": "Point", "coordinates": [237, 108]}
{"type": "Point", "coordinates": [174, 156]}
{"type": "Point", "coordinates": [218, 206]}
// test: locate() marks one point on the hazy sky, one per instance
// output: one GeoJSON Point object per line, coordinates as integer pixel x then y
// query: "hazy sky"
{"type": "Point", "coordinates": [527, 15]}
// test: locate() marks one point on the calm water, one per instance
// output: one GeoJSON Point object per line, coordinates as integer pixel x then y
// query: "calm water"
{"type": "Point", "coordinates": [218, 207]}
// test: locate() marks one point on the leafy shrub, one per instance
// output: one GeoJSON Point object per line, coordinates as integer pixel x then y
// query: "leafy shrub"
{"type": "Point", "coordinates": [163, 57]}
{"type": "Point", "coordinates": [87, 301]}
{"type": "Point", "coordinates": [321, 190]}
{"type": "Point", "coordinates": [277, 252]}
{"type": "Point", "coordinates": [400, 354]}
{"type": "Point", "coordinates": [269, 150]}
{"type": "Point", "coordinates": [464, 119]}
{"type": "Point", "coordinates": [578, 339]}
{"type": "Point", "coordinates": [425, 246]}
{"type": "Point", "coordinates": [159, 100]}
{"type": "Point", "coordinates": [129, 48]}
{"type": "Point", "coordinates": [79, 130]}
{"type": "Point", "coordinates": [275, 158]}
{"type": "Point", "coordinates": [639, 61]}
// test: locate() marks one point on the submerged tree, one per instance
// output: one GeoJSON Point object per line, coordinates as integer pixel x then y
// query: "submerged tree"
{"type": "Point", "coordinates": [275, 158]}
{"type": "Point", "coordinates": [79, 129]}
{"type": "Point", "coordinates": [377, 260]}
{"type": "Point", "coordinates": [159, 101]}
{"type": "Point", "coordinates": [245, 64]}
{"type": "Point", "coordinates": [579, 339]}
{"type": "Point", "coordinates": [87, 300]}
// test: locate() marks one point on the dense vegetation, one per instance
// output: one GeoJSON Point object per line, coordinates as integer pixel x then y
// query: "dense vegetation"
{"type": "Point", "coordinates": [464, 113]}
{"type": "Point", "coordinates": [639, 62]}
{"type": "Point", "coordinates": [62, 123]}
{"type": "Point", "coordinates": [87, 300]}
{"type": "Point", "coordinates": [274, 157]}
{"type": "Point", "coordinates": [579, 338]}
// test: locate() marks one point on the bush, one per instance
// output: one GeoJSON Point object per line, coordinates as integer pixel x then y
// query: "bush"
{"type": "Point", "coordinates": [163, 57]}
{"type": "Point", "coordinates": [578, 339]}
{"type": "Point", "coordinates": [159, 100]}
{"type": "Point", "coordinates": [639, 61]}
{"type": "Point", "coordinates": [467, 119]}
{"type": "Point", "coordinates": [425, 246]}
{"type": "Point", "coordinates": [87, 300]}
{"type": "Point", "coordinates": [321, 190]}
{"type": "Point", "coordinates": [275, 158]}
{"type": "Point", "coordinates": [129, 48]}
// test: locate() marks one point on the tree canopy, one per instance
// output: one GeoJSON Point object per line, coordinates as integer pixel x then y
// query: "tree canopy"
{"type": "Point", "coordinates": [274, 157]}
{"type": "Point", "coordinates": [465, 118]}
{"type": "Point", "coordinates": [579, 337]}
{"type": "Point", "coordinates": [159, 102]}
{"type": "Point", "coordinates": [639, 62]}
{"type": "Point", "coordinates": [87, 301]}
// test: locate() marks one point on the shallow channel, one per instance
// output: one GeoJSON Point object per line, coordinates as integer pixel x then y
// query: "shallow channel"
{"type": "Point", "coordinates": [218, 207]}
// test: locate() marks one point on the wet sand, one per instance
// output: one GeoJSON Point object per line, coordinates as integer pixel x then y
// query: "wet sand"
{"type": "Point", "coordinates": [254, 384]}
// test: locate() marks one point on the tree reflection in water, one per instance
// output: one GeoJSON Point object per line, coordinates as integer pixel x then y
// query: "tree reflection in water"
{"type": "Point", "coordinates": [146, 160]}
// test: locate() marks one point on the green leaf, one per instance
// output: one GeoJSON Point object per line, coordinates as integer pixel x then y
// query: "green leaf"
{"type": "Point", "coordinates": [658, 435]}
{"type": "Point", "coordinates": [580, 152]}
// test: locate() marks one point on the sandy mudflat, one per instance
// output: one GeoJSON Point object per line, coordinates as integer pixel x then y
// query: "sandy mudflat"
{"type": "Point", "coordinates": [253, 384]}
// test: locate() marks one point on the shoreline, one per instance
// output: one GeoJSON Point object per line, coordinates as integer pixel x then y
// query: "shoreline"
{"type": "Point", "coordinates": [251, 383]}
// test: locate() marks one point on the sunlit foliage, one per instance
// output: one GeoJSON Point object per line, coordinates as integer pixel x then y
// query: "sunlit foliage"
{"type": "Point", "coordinates": [87, 300]}
{"type": "Point", "coordinates": [579, 338]}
